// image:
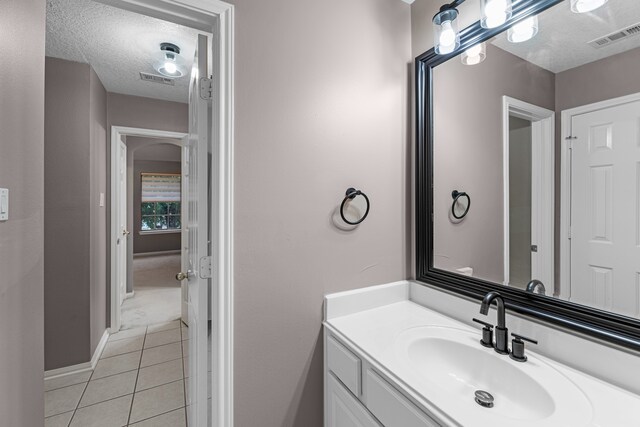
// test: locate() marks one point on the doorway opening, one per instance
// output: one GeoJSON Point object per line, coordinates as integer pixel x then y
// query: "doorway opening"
{"type": "Point", "coordinates": [528, 176]}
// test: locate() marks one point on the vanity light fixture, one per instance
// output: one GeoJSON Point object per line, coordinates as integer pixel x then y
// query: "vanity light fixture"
{"type": "Point", "coordinates": [474, 55]}
{"type": "Point", "coordinates": [583, 6]}
{"type": "Point", "coordinates": [169, 62]}
{"type": "Point", "coordinates": [494, 13]}
{"type": "Point", "coordinates": [523, 30]}
{"type": "Point", "coordinates": [445, 28]}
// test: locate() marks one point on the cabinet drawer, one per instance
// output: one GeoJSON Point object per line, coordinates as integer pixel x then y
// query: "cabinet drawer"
{"type": "Point", "coordinates": [390, 407]}
{"type": "Point", "coordinates": [344, 410]}
{"type": "Point", "coordinates": [346, 366]}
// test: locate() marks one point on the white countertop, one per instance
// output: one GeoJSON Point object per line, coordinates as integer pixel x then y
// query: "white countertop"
{"type": "Point", "coordinates": [374, 331]}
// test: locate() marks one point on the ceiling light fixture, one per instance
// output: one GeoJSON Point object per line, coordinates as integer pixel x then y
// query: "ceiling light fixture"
{"type": "Point", "coordinates": [474, 55]}
{"type": "Point", "coordinates": [523, 30]}
{"type": "Point", "coordinates": [494, 13]}
{"type": "Point", "coordinates": [583, 6]}
{"type": "Point", "coordinates": [169, 62]}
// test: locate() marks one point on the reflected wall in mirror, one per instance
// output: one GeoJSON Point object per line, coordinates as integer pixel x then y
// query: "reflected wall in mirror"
{"type": "Point", "coordinates": [545, 134]}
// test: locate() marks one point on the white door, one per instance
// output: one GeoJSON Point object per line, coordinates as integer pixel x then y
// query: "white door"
{"type": "Point", "coordinates": [196, 252]}
{"type": "Point", "coordinates": [605, 209]}
{"type": "Point", "coordinates": [122, 222]}
{"type": "Point", "coordinates": [184, 242]}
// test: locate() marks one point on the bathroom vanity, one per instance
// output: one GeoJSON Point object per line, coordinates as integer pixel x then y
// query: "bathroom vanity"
{"type": "Point", "coordinates": [399, 355]}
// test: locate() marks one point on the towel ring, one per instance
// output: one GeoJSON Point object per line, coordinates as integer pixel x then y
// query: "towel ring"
{"type": "Point", "coordinates": [457, 195]}
{"type": "Point", "coordinates": [350, 195]}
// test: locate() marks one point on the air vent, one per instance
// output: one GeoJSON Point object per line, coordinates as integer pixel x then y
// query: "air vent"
{"type": "Point", "coordinates": [157, 79]}
{"type": "Point", "coordinates": [616, 36]}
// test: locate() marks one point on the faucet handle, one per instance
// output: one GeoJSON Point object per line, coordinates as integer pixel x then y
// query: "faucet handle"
{"type": "Point", "coordinates": [487, 333]}
{"type": "Point", "coordinates": [517, 347]}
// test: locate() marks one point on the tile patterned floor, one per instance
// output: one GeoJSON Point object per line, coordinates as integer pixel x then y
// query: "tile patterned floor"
{"type": "Point", "coordinates": [139, 381]}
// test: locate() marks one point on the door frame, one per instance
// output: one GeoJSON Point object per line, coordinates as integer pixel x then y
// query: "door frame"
{"type": "Point", "coordinates": [217, 17]}
{"type": "Point", "coordinates": [542, 181]}
{"type": "Point", "coordinates": [116, 133]}
{"type": "Point", "coordinates": [566, 140]}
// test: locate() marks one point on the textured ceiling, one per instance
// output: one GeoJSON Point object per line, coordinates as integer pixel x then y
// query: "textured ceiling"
{"type": "Point", "coordinates": [562, 40]}
{"type": "Point", "coordinates": [118, 44]}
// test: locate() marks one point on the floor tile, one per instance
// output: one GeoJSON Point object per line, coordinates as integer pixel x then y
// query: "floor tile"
{"type": "Point", "coordinates": [128, 333]}
{"type": "Point", "coordinates": [67, 380]}
{"type": "Point", "coordinates": [117, 364]}
{"type": "Point", "coordinates": [166, 326]}
{"type": "Point", "coordinates": [160, 354]}
{"type": "Point", "coordinates": [112, 413]}
{"type": "Point", "coordinates": [162, 338]}
{"type": "Point", "coordinates": [109, 388]}
{"type": "Point", "coordinates": [156, 401]}
{"type": "Point", "coordinates": [62, 400]}
{"type": "Point", "coordinates": [127, 345]}
{"type": "Point", "coordinates": [61, 420]}
{"type": "Point", "coordinates": [156, 375]}
{"type": "Point", "coordinates": [175, 418]}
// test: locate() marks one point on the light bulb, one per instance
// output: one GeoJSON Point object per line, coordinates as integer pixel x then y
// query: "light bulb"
{"type": "Point", "coordinates": [496, 13]}
{"type": "Point", "coordinates": [523, 30]}
{"type": "Point", "coordinates": [448, 35]}
{"type": "Point", "coordinates": [475, 50]}
{"type": "Point", "coordinates": [170, 67]}
{"type": "Point", "coordinates": [583, 6]}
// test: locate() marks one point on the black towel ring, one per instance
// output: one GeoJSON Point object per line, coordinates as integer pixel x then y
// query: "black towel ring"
{"type": "Point", "coordinates": [350, 195]}
{"type": "Point", "coordinates": [455, 194]}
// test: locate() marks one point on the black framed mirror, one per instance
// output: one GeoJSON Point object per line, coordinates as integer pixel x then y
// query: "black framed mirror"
{"type": "Point", "coordinates": [547, 249]}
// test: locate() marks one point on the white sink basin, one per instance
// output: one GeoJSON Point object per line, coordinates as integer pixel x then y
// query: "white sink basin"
{"type": "Point", "coordinates": [451, 365]}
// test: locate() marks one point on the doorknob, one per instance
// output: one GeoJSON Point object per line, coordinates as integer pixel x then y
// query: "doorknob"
{"type": "Point", "coordinates": [182, 276]}
{"type": "Point", "coordinates": [125, 232]}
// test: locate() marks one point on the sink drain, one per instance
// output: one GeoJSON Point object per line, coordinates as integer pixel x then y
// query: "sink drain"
{"type": "Point", "coordinates": [484, 398]}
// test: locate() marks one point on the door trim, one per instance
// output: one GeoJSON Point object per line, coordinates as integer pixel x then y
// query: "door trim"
{"type": "Point", "coordinates": [543, 158]}
{"type": "Point", "coordinates": [217, 17]}
{"type": "Point", "coordinates": [565, 182]}
{"type": "Point", "coordinates": [116, 133]}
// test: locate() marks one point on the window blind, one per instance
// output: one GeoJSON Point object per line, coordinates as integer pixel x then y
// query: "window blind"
{"type": "Point", "coordinates": [160, 187]}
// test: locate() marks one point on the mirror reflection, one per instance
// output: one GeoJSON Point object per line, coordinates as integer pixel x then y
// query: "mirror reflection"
{"type": "Point", "coordinates": [541, 124]}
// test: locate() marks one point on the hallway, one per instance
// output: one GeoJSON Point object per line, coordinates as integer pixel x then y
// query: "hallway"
{"type": "Point", "coordinates": [157, 294]}
{"type": "Point", "coordinates": [139, 381]}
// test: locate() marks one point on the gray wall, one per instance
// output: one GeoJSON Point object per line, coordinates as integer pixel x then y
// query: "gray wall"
{"type": "Point", "coordinates": [98, 220]}
{"type": "Point", "coordinates": [519, 202]}
{"type": "Point", "coordinates": [138, 112]}
{"type": "Point", "coordinates": [67, 213]}
{"type": "Point", "coordinates": [321, 104]}
{"type": "Point", "coordinates": [143, 243]}
{"type": "Point", "coordinates": [21, 237]}
{"type": "Point", "coordinates": [469, 156]}
{"type": "Point", "coordinates": [75, 224]}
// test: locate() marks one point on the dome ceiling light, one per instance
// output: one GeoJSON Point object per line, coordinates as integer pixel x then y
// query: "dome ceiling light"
{"type": "Point", "coordinates": [169, 62]}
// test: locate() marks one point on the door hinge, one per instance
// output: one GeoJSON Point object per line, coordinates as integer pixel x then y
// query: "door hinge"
{"type": "Point", "coordinates": [205, 267]}
{"type": "Point", "coordinates": [206, 88]}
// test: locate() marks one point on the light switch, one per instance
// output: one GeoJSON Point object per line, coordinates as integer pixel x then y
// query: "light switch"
{"type": "Point", "coordinates": [4, 204]}
{"type": "Point", "coordinates": [101, 199]}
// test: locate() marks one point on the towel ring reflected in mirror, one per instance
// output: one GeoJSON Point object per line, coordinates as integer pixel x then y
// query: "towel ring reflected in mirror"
{"type": "Point", "coordinates": [350, 196]}
{"type": "Point", "coordinates": [461, 204]}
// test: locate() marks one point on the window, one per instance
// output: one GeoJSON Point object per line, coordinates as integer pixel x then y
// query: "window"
{"type": "Point", "coordinates": [160, 202]}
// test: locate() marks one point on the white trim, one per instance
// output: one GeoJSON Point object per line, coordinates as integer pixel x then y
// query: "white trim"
{"type": "Point", "coordinates": [565, 182]}
{"type": "Point", "coordinates": [167, 231]}
{"type": "Point", "coordinates": [144, 254]}
{"type": "Point", "coordinates": [81, 367]}
{"type": "Point", "coordinates": [218, 17]}
{"type": "Point", "coordinates": [543, 161]}
{"type": "Point", "coordinates": [116, 132]}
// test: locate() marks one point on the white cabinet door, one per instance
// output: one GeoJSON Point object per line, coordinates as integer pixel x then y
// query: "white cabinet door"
{"type": "Point", "coordinates": [343, 410]}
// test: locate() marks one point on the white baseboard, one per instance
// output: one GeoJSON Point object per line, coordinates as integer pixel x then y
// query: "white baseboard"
{"type": "Point", "coordinates": [81, 367]}
{"type": "Point", "coordinates": [129, 294]}
{"type": "Point", "coordinates": [143, 254]}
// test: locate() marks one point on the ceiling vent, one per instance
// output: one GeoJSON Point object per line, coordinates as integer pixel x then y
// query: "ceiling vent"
{"type": "Point", "coordinates": [616, 36]}
{"type": "Point", "coordinates": [156, 79]}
